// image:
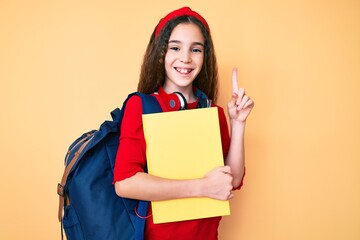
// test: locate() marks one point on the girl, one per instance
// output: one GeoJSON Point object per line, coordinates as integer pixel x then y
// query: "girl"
{"type": "Point", "coordinates": [180, 58]}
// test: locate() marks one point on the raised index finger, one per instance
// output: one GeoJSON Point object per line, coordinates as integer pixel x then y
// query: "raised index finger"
{"type": "Point", "coordinates": [235, 81]}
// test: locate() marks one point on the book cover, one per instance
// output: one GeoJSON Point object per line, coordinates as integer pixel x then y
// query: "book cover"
{"type": "Point", "coordinates": [184, 145]}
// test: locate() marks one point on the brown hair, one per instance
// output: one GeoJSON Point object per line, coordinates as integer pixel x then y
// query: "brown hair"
{"type": "Point", "coordinates": [153, 74]}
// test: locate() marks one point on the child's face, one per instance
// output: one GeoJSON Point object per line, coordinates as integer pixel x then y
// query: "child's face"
{"type": "Point", "coordinates": [184, 57]}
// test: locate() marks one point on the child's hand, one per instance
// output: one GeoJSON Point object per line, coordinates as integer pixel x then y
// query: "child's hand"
{"type": "Point", "coordinates": [218, 183]}
{"type": "Point", "coordinates": [240, 105]}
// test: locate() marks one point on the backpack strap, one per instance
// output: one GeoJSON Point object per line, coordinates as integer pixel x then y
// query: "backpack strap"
{"type": "Point", "coordinates": [149, 105]}
{"type": "Point", "coordinates": [60, 187]}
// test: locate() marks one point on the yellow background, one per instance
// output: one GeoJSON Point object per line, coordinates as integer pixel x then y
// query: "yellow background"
{"type": "Point", "coordinates": [64, 65]}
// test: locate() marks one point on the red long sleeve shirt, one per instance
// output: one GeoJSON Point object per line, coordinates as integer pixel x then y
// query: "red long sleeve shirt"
{"type": "Point", "coordinates": [131, 158]}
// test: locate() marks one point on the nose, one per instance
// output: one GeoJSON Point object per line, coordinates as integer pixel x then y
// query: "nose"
{"type": "Point", "coordinates": [186, 57]}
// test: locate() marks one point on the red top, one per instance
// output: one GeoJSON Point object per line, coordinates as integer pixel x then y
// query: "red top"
{"type": "Point", "coordinates": [131, 158]}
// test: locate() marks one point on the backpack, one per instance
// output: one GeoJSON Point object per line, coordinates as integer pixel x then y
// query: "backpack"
{"type": "Point", "coordinates": [92, 210]}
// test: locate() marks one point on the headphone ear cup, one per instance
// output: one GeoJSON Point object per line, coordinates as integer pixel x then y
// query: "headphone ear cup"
{"type": "Point", "coordinates": [182, 99]}
{"type": "Point", "coordinates": [175, 101]}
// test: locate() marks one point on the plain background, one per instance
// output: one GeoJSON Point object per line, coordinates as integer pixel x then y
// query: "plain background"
{"type": "Point", "coordinates": [64, 65]}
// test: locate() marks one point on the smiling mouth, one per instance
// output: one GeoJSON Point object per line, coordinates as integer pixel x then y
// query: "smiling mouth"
{"type": "Point", "coordinates": [183, 70]}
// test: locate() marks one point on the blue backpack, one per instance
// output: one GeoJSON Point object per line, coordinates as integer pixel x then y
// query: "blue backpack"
{"type": "Point", "coordinates": [89, 208]}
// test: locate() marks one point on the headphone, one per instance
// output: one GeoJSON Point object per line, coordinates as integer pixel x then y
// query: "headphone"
{"type": "Point", "coordinates": [176, 101]}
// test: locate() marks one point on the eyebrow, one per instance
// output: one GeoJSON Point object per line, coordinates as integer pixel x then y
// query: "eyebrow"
{"type": "Point", "coordinates": [194, 43]}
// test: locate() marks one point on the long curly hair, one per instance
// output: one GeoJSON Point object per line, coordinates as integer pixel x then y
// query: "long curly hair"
{"type": "Point", "coordinates": [153, 74]}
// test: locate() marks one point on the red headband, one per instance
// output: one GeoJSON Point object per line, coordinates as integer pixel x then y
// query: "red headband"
{"type": "Point", "coordinates": [185, 11]}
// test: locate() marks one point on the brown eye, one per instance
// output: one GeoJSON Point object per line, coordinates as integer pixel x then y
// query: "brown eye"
{"type": "Point", "coordinates": [197, 50]}
{"type": "Point", "coordinates": [174, 48]}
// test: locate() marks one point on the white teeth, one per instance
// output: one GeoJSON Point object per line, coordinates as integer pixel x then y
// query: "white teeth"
{"type": "Point", "coordinates": [183, 70]}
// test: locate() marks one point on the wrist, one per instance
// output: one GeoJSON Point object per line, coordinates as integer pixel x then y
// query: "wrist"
{"type": "Point", "coordinates": [198, 187]}
{"type": "Point", "coordinates": [237, 123]}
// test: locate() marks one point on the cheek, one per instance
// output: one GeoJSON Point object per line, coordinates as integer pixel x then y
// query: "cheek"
{"type": "Point", "coordinates": [168, 60]}
{"type": "Point", "coordinates": [200, 61]}
{"type": "Point", "coordinates": [167, 64]}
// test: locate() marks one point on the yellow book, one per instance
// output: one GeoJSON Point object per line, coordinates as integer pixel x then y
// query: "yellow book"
{"type": "Point", "coordinates": [184, 145]}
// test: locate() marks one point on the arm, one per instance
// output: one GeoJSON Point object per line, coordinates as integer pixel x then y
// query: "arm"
{"type": "Point", "coordinates": [216, 184]}
{"type": "Point", "coordinates": [131, 181]}
{"type": "Point", "coordinates": [239, 108]}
